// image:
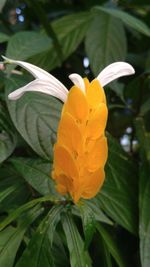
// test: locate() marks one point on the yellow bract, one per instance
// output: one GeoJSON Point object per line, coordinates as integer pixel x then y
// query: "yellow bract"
{"type": "Point", "coordinates": [81, 150]}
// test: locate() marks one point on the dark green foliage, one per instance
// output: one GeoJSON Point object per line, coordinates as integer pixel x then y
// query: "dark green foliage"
{"type": "Point", "coordinates": [38, 227]}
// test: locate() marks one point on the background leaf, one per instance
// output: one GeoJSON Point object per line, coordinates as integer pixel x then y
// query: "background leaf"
{"type": "Point", "coordinates": [127, 19]}
{"type": "Point", "coordinates": [105, 42]}
{"type": "Point", "coordinates": [69, 34]}
{"type": "Point", "coordinates": [17, 188]}
{"type": "Point", "coordinates": [2, 3]}
{"type": "Point", "coordinates": [118, 197]}
{"type": "Point", "coordinates": [111, 245]}
{"type": "Point", "coordinates": [3, 37]}
{"type": "Point", "coordinates": [7, 135]}
{"type": "Point", "coordinates": [23, 45]}
{"type": "Point", "coordinates": [144, 225]}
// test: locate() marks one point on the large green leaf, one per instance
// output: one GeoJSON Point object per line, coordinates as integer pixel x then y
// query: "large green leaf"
{"type": "Point", "coordinates": [78, 255]}
{"type": "Point", "coordinates": [11, 237]}
{"type": "Point", "coordinates": [127, 19]}
{"type": "Point", "coordinates": [118, 196]}
{"type": "Point", "coordinates": [105, 42]}
{"type": "Point", "coordinates": [39, 251]}
{"type": "Point", "coordinates": [70, 31]}
{"type": "Point", "coordinates": [23, 45]}
{"type": "Point", "coordinates": [3, 37]}
{"type": "Point", "coordinates": [35, 116]}
{"type": "Point", "coordinates": [37, 173]}
{"type": "Point", "coordinates": [7, 135]}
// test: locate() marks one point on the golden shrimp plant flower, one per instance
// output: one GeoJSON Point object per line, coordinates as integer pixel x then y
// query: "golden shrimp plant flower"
{"type": "Point", "coordinates": [81, 150]}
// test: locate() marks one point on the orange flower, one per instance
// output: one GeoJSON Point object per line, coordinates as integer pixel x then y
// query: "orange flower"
{"type": "Point", "coordinates": [81, 149]}
{"type": "Point", "coordinates": [80, 152]}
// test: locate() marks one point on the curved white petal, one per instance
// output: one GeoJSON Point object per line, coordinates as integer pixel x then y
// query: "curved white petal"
{"type": "Point", "coordinates": [77, 80]}
{"type": "Point", "coordinates": [114, 71]}
{"type": "Point", "coordinates": [37, 72]}
{"type": "Point", "coordinates": [40, 86]}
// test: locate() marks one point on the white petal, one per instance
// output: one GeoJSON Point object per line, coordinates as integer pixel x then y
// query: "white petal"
{"type": "Point", "coordinates": [114, 71]}
{"type": "Point", "coordinates": [36, 72]}
{"type": "Point", "coordinates": [39, 86]}
{"type": "Point", "coordinates": [77, 80]}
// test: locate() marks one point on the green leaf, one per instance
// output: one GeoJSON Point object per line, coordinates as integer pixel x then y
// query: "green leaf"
{"type": "Point", "coordinates": [118, 196]}
{"type": "Point", "coordinates": [35, 116]}
{"type": "Point", "coordinates": [17, 213]}
{"type": "Point", "coordinates": [143, 137]}
{"type": "Point", "coordinates": [7, 192]}
{"type": "Point", "coordinates": [38, 253]}
{"type": "Point", "coordinates": [11, 237]}
{"type": "Point", "coordinates": [37, 173]}
{"type": "Point", "coordinates": [127, 19]}
{"type": "Point", "coordinates": [144, 220]}
{"type": "Point", "coordinates": [70, 31]}
{"type": "Point", "coordinates": [105, 42]}
{"type": "Point", "coordinates": [25, 44]}
{"type": "Point", "coordinates": [7, 135]}
{"type": "Point", "coordinates": [3, 37]}
{"type": "Point", "coordinates": [145, 107]}
{"type": "Point", "coordinates": [93, 206]}
{"type": "Point", "coordinates": [78, 255]}
{"type": "Point", "coordinates": [59, 251]}
{"type": "Point", "coordinates": [2, 3]}
{"type": "Point", "coordinates": [111, 245]}
{"type": "Point", "coordinates": [15, 189]}
{"type": "Point", "coordinates": [103, 253]}
{"type": "Point", "coordinates": [89, 223]}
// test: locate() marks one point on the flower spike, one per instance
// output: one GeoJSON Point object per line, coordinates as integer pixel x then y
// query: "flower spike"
{"type": "Point", "coordinates": [81, 150]}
